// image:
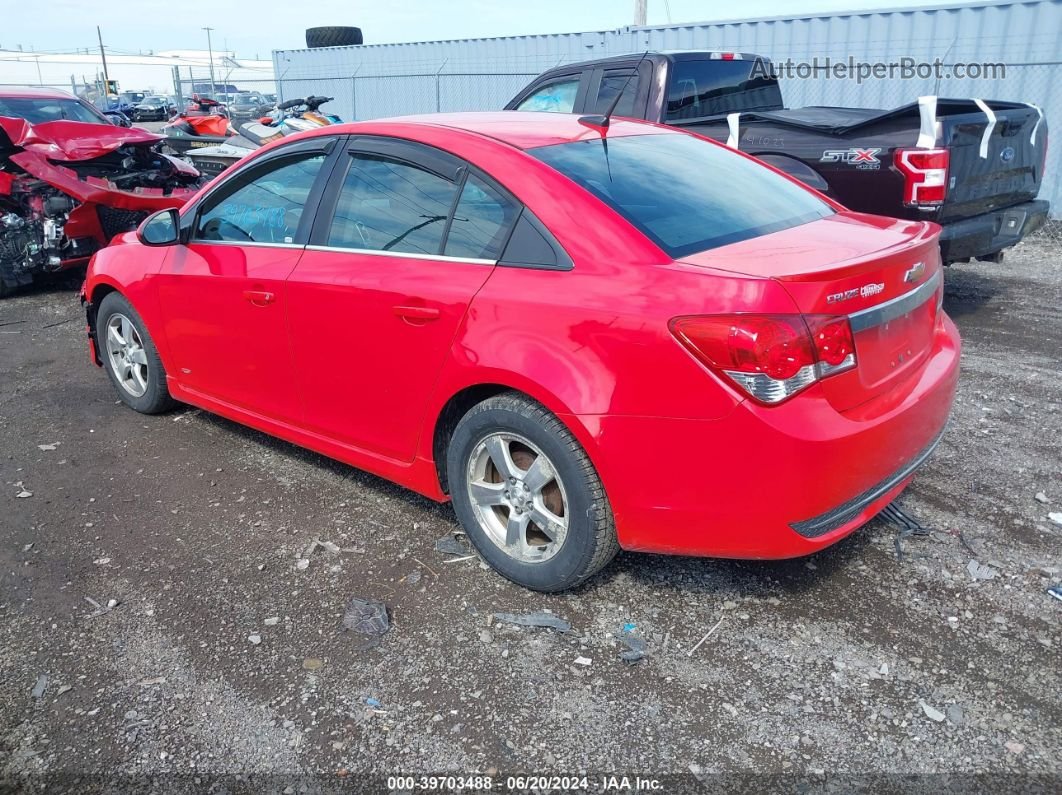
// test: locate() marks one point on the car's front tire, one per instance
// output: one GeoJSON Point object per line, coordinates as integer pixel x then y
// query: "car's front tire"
{"type": "Point", "coordinates": [528, 495]}
{"type": "Point", "coordinates": [130, 357]}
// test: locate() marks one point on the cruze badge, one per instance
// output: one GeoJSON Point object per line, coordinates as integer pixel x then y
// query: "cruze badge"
{"type": "Point", "coordinates": [866, 290]}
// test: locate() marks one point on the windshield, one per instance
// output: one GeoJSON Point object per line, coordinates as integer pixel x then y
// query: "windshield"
{"type": "Point", "coordinates": [132, 97]}
{"type": "Point", "coordinates": [37, 110]}
{"type": "Point", "coordinates": [684, 193]}
{"type": "Point", "coordinates": [155, 100]}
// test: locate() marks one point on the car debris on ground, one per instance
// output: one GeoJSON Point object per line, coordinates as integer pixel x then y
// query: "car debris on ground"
{"type": "Point", "coordinates": [543, 619]}
{"type": "Point", "coordinates": [366, 617]}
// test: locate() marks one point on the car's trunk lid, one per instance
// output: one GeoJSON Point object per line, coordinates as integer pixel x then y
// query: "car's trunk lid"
{"type": "Point", "coordinates": [883, 273]}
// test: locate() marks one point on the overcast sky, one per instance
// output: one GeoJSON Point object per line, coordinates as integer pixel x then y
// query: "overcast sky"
{"type": "Point", "coordinates": [259, 26]}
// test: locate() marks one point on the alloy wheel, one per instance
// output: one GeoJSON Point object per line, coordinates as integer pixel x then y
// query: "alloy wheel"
{"type": "Point", "coordinates": [126, 354]}
{"type": "Point", "coordinates": [517, 497]}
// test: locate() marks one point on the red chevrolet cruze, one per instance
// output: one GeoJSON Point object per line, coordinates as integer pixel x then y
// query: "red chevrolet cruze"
{"type": "Point", "coordinates": [586, 338]}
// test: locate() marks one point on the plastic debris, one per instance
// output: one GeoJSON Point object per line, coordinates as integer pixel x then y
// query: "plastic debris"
{"type": "Point", "coordinates": [931, 713]}
{"type": "Point", "coordinates": [372, 702]}
{"type": "Point", "coordinates": [1041, 497]}
{"type": "Point", "coordinates": [450, 544]}
{"type": "Point", "coordinates": [583, 661]}
{"type": "Point", "coordinates": [545, 620]}
{"type": "Point", "coordinates": [366, 617]}
{"type": "Point", "coordinates": [48, 447]}
{"type": "Point", "coordinates": [23, 491]}
{"type": "Point", "coordinates": [905, 524]}
{"type": "Point", "coordinates": [1054, 516]}
{"type": "Point", "coordinates": [1055, 591]}
{"type": "Point", "coordinates": [636, 647]}
{"type": "Point", "coordinates": [38, 689]}
{"type": "Point", "coordinates": [980, 571]}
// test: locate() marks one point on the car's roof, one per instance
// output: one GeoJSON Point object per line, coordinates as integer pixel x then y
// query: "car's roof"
{"type": "Point", "coordinates": [522, 129]}
{"type": "Point", "coordinates": [35, 93]}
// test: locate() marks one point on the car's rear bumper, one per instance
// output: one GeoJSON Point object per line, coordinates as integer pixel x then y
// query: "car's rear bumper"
{"type": "Point", "coordinates": [771, 482]}
{"type": "Point", "coordinates": [987, 234]}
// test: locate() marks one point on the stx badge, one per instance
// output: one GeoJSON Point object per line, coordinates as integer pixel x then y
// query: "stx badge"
{"type": "Point", "coordinates": [860, 158]}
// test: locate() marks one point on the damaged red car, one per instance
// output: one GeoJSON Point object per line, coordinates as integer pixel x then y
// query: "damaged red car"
{"type": "Point", "coordinates": [70, 181]}
{"type": "Point", "coordinates": [587, 338]}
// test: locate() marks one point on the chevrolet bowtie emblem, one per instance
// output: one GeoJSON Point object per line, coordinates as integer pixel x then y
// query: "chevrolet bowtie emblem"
{"type": "Point", "coordinates": [915, 272]}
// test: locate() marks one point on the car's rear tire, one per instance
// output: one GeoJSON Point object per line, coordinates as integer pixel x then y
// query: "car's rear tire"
{"type": "Point", "coordinates": [528, 495]}
{"type": "Point", "coordinates": [130, 357]}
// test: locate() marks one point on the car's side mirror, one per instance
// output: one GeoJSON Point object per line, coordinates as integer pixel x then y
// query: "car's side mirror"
{"type": "Point", "coordinates": [161, 229]}
{"type": "Point", "coordinates": [117, 118]}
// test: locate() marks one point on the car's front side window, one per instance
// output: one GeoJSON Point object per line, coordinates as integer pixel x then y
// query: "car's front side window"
{"type": "Point", "coordinates": [391, 205]}
{"type": "Point", "coordinates": [261, 208]}
{"type": "Point", "coordinates": [555, 97]}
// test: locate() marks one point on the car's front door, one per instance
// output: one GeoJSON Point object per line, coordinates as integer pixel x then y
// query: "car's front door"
{"type": "Point", "coordinates": [376, 300]}
{"type": "Point", "coordinates": [223, 295]}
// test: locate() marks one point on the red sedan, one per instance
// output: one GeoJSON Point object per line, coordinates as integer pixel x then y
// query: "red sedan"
{"type": "Point", "coordinates": [587, 339]}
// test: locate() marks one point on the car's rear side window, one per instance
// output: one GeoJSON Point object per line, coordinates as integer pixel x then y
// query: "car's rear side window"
{"type": "Point", "coordinates": [684, 193]}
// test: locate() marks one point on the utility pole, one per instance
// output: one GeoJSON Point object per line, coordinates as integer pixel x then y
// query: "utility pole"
{"type": "Point", "coordinates": [210, 52]}
{"type": "Point", "coordinates": [640, 12]}
{"type": "Point", "coordinates": [106, 77]}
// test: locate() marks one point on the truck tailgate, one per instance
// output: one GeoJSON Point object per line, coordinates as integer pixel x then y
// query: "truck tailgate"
{"type": "Point", "coordinates": [1000, 169]}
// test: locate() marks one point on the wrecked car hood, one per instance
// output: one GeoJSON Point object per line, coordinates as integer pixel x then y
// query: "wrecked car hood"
{"type": "Point", "coordinates": [47, 147]}
{"type": "Point", "coordinates": [72, 140]}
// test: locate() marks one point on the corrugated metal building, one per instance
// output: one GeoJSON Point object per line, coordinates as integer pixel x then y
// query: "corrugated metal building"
{"type": "Point", "coordinates": [377, 80]}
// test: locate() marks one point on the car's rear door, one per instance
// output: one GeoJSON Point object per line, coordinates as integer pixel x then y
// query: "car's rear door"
{"type": "Point", "coordinates": [223, 293]}
{"type": "Point", "coordinates": [632, 79]}
{"type": "Point", "coordinates": [405, 237]}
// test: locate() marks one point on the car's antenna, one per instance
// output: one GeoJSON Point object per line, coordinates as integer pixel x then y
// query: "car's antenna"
{"type": "Point", "coordinates": [602, 122]}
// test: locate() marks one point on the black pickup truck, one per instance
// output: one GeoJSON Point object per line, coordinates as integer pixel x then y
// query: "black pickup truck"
{"type": "Point", "coordinates": [973, 166]}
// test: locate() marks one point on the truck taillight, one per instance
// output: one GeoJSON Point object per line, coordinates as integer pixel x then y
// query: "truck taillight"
{"type": "Point", "coordinates": [925, 176]}
{"type": "Point", "coordinates": [770, 357]}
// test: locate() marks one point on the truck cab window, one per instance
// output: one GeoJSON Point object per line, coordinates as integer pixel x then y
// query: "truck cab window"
{"type": "Point", "coordinates": [714, 87]}
{"type": "Point", "coordinates": [555, 97]}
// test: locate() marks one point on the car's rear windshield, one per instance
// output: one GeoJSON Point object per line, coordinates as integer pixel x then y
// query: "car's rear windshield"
{"type": "Point", "coordinates": [37, 111]}
{"type": "Point", "coordinates": [684, 193]}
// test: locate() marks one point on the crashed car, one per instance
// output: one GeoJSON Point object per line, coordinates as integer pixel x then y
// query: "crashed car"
{"type": "Point", "coordinates": [68, 187]}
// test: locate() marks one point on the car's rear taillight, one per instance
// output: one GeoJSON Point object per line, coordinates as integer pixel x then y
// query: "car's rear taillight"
{"type": "Point", "coordinates": [771, 357]}
{"type": "Point", "coordinates": [925, 176]}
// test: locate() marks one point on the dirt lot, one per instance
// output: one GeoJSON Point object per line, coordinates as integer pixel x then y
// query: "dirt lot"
{"type": "Point", "coordinates": [223, 656]}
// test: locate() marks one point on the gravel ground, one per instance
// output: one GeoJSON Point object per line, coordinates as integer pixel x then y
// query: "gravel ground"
{"type": "Point", "coordinates": [225, 655]}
